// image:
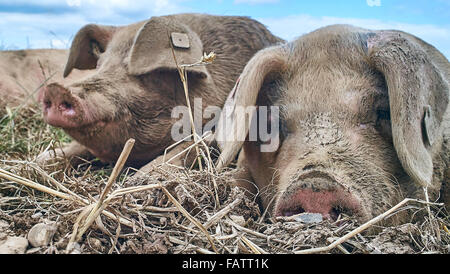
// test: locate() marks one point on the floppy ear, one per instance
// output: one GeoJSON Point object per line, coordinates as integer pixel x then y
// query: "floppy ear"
{"type": "Point", "coordinates": [88, 43]}
{"type": "Point", "coordinates": [418, 97]}
{"type": "Point", "coordinates": [232, 131]}
{"type": "Point", "coordinates": [152, 48]}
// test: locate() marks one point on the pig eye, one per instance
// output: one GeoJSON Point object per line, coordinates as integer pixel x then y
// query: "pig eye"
{"type": "Point", "coordinates": [284, 130]}
{"type": "Point", "coordinates": [383, 115]}
{"type": "Point", "coordinates": [268, 129]}
{"type": "Point", "coordinates": [383, 123]}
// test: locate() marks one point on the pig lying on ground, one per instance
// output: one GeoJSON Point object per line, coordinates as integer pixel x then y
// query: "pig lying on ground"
{"type": "Point", "coordinates": [24, 72]}
{"type": "Point", "coordinates": [363, 123]}
{"type": "Point", "coordinates": [136, 84]}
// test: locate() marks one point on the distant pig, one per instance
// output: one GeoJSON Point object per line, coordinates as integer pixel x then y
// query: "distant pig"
{"type": "Point", "coordinates": [24, 72]}
{"type": "Point", "coordinates": [136, 83]}
{"type": "Point", "coordinates": [363, 122]}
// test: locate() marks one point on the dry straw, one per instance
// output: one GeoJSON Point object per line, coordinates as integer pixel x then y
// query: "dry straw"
{"type": "Point", "coordinates": [248, 240]}
{"type": "Point", "coordinates": [204, 60]}
{"type": "Point", "coordinates": [204, 225]}
{"type": "Point", "coordinates": [101, 204]}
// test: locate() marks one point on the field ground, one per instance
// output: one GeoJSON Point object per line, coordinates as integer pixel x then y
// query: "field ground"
{"type": "Point", "coordinates": [182, 211]}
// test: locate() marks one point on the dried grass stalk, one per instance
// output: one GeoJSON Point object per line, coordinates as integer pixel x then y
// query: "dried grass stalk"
{"type": "Point", "coordinates": [189, 216]}
{"type": "Point", "coordinates": [23, 181]}
{"type": "Point", "coordinates": [100, 205]}
{"type": "Point", "coordinates": [363, 227]}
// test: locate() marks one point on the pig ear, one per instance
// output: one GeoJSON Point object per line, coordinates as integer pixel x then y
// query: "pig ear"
{"type": "Point", "coordinates": [152, 48]}
{"type": "Point", "coordinates": [232, 131]}
{"type": "Point", "coordinates": [88, 43]}
{"type": "Point", "coordinates": [417, 79]}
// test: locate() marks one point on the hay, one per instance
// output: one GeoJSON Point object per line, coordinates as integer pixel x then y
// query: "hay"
{"type": "Point", "coordinates": [171, 210]}
{"type": "Point", "coordinates": [174, 211]}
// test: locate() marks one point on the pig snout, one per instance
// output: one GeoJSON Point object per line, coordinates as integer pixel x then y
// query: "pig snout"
{"type": "Point", "coordinates": [61, 108]}
{"type": "Point", "coordinates": [318, 193]}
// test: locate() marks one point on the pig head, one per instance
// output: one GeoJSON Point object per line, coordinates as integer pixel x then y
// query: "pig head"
{"type": "Point", "coordinates": [136, 84]}
{"type": "Point", "coordinates": [363, 123]}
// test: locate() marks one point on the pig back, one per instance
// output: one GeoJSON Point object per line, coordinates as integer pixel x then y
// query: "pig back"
{"type": "Point", "coordinates": [234, 39]}
{"type": "Point", "coordinates": [23, 72]}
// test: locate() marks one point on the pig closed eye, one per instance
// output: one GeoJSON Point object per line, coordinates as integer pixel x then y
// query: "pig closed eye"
{"type": "Point", "coordinates": [383, 123]}
{"type": "Point", "coordinates": [268, 127]}
{"type": "Point", "coordinates": [383, 115]}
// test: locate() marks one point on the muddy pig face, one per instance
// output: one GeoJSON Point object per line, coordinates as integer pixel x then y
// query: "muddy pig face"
{"type": "Point", "coordinates": [132, 92]}
{"type": "Point", "coordinates": [361, 118]}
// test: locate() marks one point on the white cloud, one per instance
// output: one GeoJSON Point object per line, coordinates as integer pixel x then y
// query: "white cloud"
{"type": "Point", "coordinates": [110, 8]}
{"type": "Point", "coordinates": [63, 19]}
{"type": "Point", "coordinates": [103, 8]}
{"type": "Point", "coordinates": [31, 2]}
{"type": "Point", "coordinates": [293, 26]}
{"type": "Point", "coordinates": [19, 30]}
{"type": "Point", "coordinates": [373, 3]}
{"type": "Point", "coordinates": [73, 3]}
{"type": "Point", "coordinates": [255, 1]}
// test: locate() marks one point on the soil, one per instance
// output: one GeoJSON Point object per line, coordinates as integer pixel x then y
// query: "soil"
{"type": "Point", "coordinates": [159, 227]}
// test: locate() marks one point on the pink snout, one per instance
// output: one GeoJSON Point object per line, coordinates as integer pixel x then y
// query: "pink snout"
{"type": "Point", "coordinates": [60, 107]}
{"type": "Point", "coordinates": [330, 201]}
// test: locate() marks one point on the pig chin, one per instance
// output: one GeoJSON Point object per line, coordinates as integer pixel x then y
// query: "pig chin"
{"type": "Point", "coordinates": [92, 133]}
{"type": "Point", "coordinates": [97, 138]}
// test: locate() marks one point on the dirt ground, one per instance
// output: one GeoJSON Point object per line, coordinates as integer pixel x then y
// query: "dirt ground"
{"type": "Point", "coordinates": [169, 211]}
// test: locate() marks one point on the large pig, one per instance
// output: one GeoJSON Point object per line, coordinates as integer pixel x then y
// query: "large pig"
{"type": "Point", "coordinates": [136, 84]}
{"type": "Point", "coordinates": [363, 123]}
{"type": "Point", "coordinates": [24, 72]}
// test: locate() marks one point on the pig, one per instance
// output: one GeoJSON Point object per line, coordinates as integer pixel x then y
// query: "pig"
{"type": "Point", "coordinates": [363, 122]}
{"type": "Point", "coordinates": [25, 72]}
{"type": "Point", "coordinates": [136, 84]}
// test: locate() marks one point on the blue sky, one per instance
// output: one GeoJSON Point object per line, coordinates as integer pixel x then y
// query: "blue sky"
{"type": "Point", "coordinates": [53, 23]}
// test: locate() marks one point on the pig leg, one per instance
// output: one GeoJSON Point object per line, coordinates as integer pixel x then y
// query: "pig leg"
{"type": "Point", "coordinates": [73, 151]}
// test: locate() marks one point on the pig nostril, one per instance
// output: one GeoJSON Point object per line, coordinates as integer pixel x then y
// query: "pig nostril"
{"type": "Point", "coordinates": [334, 213]}
{"type": "Point", "coordinates": [65, 105]}
{"type": "Point", "coordinates": [337, 211]}
{"type": "Point", "coordinates": [293, 211]}
{"type": "Point", "coordinates": [47, 104]}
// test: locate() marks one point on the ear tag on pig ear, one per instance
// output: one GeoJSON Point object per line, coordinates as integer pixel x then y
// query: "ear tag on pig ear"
{"type": "Point", "coordinates": [180, 40]}
{"type": "Point", "coordinates": [429, 125]}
